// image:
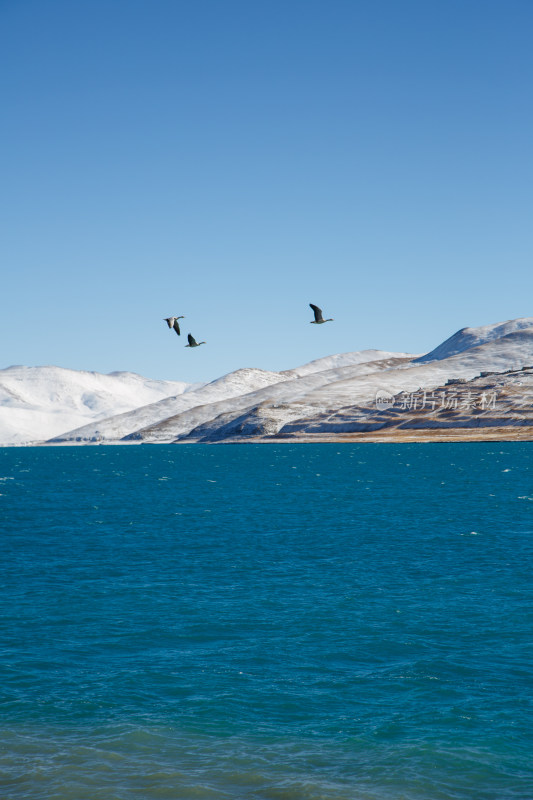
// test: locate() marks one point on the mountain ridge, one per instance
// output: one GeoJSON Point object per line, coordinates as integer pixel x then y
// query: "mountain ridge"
{"type": "Point", "coordinates": [38, 404]}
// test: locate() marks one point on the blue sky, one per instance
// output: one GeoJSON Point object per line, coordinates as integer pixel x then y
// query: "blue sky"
{"type": "Point", "coordinates": [234, 161]}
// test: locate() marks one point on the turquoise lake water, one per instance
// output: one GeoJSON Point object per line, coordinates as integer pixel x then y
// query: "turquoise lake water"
{"type": "Point", "coordinates": [283, 622]}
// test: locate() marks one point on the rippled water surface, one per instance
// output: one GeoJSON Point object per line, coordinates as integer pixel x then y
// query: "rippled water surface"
{"type": "Point", "coordinates": [266, 621]}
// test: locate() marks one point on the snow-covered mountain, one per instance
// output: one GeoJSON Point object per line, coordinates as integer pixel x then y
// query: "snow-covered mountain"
{"type": "Point", "coordinates": [38, 403]}
{"type": "Point", "coordinates": [234, 393]}
{"type": "Point", "coordinates": [339, 360]}
{"type": "Point", "coordinates": [496, 405]}
{"type": "Point", "coordinates": [351, 387]}
{"type": "Point", "coordinates": [467, 338]}
{"type": "Point", "coordinates": [247, 403]}
{"type": "Point", "coordinates": [228, 387]}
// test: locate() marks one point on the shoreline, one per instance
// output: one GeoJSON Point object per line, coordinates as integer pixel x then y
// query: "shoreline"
{"type": "Point", "coordinates": [499, 434]}
{"type": "Point", "coordinates": [502, 433]}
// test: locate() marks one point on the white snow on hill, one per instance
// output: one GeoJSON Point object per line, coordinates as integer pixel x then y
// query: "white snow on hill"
{"type": "Point", "coordinates": [237, 391]}
{"type": "Point", "coordinates": [467, 338]}
{"type": "Point", "coordinates": [235, 384]}
{"type": "Point", "coordinates": [38, 403]}
{"type": "Point", "coordinates": [340, 360]}
{"type": "Point", "coordinates": [247, 402]}
{"type": "Point", "coordinates": [346, 387]}
{"type": "Point", "coordinates": [281, 400]}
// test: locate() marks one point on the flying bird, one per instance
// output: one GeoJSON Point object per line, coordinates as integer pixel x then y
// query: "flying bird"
{"type": "Point", "coordinates": [172, 322]}
{"type": "Point", "coordinates": [193, 342]}
{"type": "Point", "coordinates": [319, 319]}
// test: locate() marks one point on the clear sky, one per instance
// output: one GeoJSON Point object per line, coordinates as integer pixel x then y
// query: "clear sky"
{"type": "Point", "coordinates": [233, 161]}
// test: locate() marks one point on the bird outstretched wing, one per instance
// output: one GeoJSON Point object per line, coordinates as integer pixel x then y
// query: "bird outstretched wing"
{"type": "Point", "coordinates": [317, 311]}
{"type": "Point", "coordinates": [191, 340]}
{"type": "Point", "coordinates": [176, 327]}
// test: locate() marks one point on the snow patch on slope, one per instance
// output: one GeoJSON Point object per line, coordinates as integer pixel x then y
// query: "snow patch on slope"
{"type": "Point", "coordinates": [467, 338]}
{"type": "Point", "coordinates": [342, 360]}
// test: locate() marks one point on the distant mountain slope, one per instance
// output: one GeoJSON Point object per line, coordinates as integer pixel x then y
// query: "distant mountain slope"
{"type": "Point", "coordinates": [467, 338]}
{"type": "Point", "coordinates": [240, 383]}
{"type": "Point", "coordinates": [280, 399]}
{"type": "Point", "coordinates": [38, 402]}
{"type": "Point", "coordinates": [341, 360]}
{"type": "Point", "coordinates": [235, 384]}
{"type": "Point", "coordinates": [351, 387]}
{"type": "Point", "coordinates": [235, 392]}
{"type": "Point", "coordinates": [495, 402]}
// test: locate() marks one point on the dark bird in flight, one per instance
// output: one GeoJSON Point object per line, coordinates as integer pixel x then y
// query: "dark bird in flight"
{"type": "Point", "coordinates": [193, 342]}
{"type": "Point", "coordinates": [319, 319]}
{"type": "Point", "coordinates": [172, 322]}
